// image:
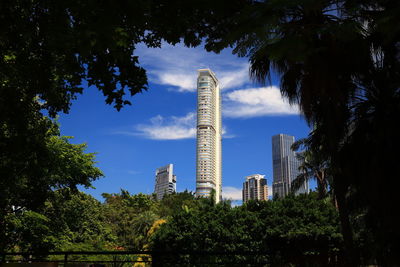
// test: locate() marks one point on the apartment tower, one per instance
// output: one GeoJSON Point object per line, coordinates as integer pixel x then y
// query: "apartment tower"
{"type": "Point", "coordinates": [285, 166]}
{"type": "Point", "coordinates": [208, 154]}
{"type": "Point", "coordinates": [165, 181]}
{"type": "Point", "coordinates": [255, 188]}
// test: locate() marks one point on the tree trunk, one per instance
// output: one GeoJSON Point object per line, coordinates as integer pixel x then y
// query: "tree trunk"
{"type": "Point", "coordinates": [321, 184]}
{"type": "Point", "coordinates": [344, 216]}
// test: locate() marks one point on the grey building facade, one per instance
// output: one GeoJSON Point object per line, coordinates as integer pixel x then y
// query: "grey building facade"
{"type": "Point", "coordinates": [165, 181]}
{"type": "Point", "coordinates": [285, 166]}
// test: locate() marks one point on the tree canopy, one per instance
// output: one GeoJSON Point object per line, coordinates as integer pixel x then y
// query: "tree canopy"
{"type": "Point", "coordinates": [296, 230]}
{"type": "Point", "coordinates": [275, 232]}
{"type": "Point", "coordinates": [50, 50]}
{"type": "Point", "coordinates": [28, 180]}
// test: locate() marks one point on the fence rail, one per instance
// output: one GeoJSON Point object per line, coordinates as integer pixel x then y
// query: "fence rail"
{"type": "Point", "coordinates": [158, 258]}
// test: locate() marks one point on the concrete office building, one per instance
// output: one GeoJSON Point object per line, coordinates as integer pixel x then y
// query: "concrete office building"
{"type": "Point", "coordinates": [208, 154]}
{"type": "Point", "coordinates": [285, 166]}
{"type": "Point", "coordinates": [255, 188]}
{"type": "Point", "coordinates": [165, 181]}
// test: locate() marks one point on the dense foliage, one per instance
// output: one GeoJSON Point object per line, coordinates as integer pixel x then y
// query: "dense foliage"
{"type": "Point", "coordinates": [52, 163]}
{"type": "Point", "coordinates": [295, 230]}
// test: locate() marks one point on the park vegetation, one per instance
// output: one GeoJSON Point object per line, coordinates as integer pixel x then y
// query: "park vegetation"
{"type": "Point", "coordinates": [295, 230]}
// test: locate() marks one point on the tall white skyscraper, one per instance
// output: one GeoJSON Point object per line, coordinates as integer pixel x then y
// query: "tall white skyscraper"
{"type": "Point", "coordinates": [165, 181]}
{"type": "Point", "coordinates": [285, 166]}
{"type": "Point", "coordinates": [209, 130]}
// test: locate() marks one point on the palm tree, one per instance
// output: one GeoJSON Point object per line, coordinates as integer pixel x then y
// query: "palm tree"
{"type": "Point", "coordinates": [313, 167]}
{"type": "Point", "coordinates": [317, 48]}
{"type": "Point", "coordinates": [339, 61]}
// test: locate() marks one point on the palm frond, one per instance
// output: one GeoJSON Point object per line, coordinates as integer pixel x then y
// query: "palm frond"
{"type": "Point", "coordinates": [299, 181]}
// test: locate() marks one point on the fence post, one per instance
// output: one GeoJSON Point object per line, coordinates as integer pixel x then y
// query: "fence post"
{"type": "Point", "coordinates": [65, 259]}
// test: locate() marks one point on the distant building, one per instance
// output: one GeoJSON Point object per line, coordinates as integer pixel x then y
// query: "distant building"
{"type": "Point", "coordinates": [165, 181]}
{"type": "Point", "coordinates": [255, 188]}
{"type": "Point", "coordinates": [209, 130]}
{"type": "Point", "coordinates": [285, 166]}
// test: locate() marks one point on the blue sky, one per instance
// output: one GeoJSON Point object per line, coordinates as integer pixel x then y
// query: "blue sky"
{"type": "Point", "coordinates": [159, 127]}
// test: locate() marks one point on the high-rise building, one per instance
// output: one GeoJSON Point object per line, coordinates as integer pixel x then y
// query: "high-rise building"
{"type": "Point", "coordinates": [255, 188]}
{"type": "Point", "coordinates": [208, 154]}
{"type": "Point", "coordinates": [165, 181]}
{"type": "Point", "coordinates": [285, 166]}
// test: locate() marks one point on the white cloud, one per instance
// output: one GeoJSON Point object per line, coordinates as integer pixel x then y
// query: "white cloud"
{"type": "Point", "coordinates": [176, 66]}
{"type": "Point", "coordinates": [169, 128]}
{"type": "Point", "coordinates": [184, 82]}
{"type": "Point", "coordinates": [232, 193]}
{"type": "Point", "coordinates": [231, 79]}
{"type": "Point", "coordinates": [172, 128]}
{"type": "Point", "coordinates": [225, 133]}
{"type": "Point", "coordinates": [255, 102]}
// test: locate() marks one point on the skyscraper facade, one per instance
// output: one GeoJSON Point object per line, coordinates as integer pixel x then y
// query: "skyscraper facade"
{"type": "Point", "coordinates": [285, 166]}
{"type": "Point", "coordinates": [165, 181]}
{"type": "Point", "coordinates": [208, 153]}
{"type": "Point", "coordinates": [255, 188]}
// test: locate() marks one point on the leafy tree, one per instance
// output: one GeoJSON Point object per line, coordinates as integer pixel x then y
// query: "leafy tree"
{"type": "Point", "coordinates": [78, 220]}
{"type": "Point", "coordinates": [130, 218]}
{"type": "Point", "coordinates": [29, 231]}
{"type": "Point", "coordinates": [295, 230]}
{"type": "Point", "coordinates": [301, 229]}
{"type": "Point", "coordinates": [51, 164]}
{"type": "Point", "coordinates": [48, 50]}
{"type": "Point", "coordinates": [173, 203]}
{"type": "Point", "coordinates": [68, 221]}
